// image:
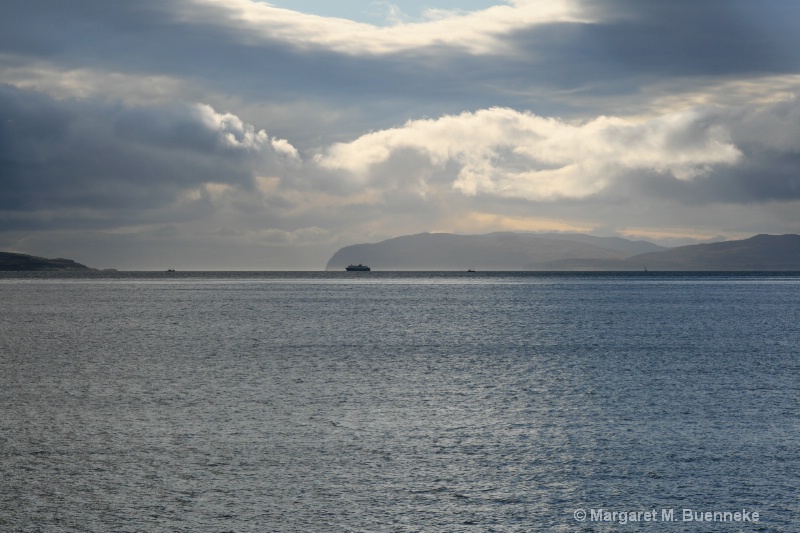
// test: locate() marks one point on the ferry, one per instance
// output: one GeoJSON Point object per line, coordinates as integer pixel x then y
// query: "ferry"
{"type": "Point", "coordinates": [357, 268]}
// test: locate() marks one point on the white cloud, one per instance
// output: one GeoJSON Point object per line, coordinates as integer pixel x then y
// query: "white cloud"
{"type": "Point", "coordinates": [232, 131]}
{"type": "Point", "coordinates": [508, 153]}
{"type": "Point", "coordinates": [285, 149]}
{"type": "Point", "coordinates": [474, 31]}
{"type": "Point", "coordinates": [63, 82]}
{"type": "Point", "coordinates": [759, 91]}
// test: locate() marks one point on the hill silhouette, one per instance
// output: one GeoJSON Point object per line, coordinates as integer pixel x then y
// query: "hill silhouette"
{"type": "Point", "coordinates": [21, 262]}
{"type": "Point", "coordinates": [494, 251]}
{"type": "Point", "coordinates": [758, 253]}
{"type": "Point", "coordinates": [556, 252]}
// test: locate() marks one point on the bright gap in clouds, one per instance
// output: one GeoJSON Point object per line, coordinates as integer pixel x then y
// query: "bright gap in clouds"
{"type": "Point", "coordinates": [382, 12]}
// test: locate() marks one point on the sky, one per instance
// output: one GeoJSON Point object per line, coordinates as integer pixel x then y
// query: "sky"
{"type": "Point", "coordinates": [251, 135]}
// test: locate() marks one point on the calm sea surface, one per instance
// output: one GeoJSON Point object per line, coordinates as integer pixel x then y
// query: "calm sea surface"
{"type": "Point", "coordinates": [398, 402]}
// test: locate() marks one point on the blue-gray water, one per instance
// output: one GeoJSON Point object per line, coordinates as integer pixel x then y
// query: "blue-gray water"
{"type": "Point", "coordinates": [397, 402]}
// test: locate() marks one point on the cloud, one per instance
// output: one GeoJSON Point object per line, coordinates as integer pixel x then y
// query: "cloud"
{"type": "Point", "coordinates": [475, 32]}
{"type": "Point", "coordinates": [508, 153]}
{"type": "Point", "coordinates": [569, 58]}
{"type": "Point", "coordinates": [113, 165]}
{"type": "Point", "coordinates": [684, 37]}
{"type": "Point", "coordinates": [104, 164]}
{"type": "Point", "coordinates": [199, 128]}
{"type": "Point", "coordinates": [237, 120]}
{"type": "Point", "coordinates": [61, 82]}
{"type": "Point", "coordinates": [299, 237]}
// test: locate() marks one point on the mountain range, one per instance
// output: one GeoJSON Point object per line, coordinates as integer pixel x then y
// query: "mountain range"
{"type": "Point", "coordinates": [506, 251]}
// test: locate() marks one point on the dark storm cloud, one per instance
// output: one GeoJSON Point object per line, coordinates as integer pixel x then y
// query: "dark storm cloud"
{"type": "Point", "coordinates": [152, 37]}
{"type": "Point", "coordinates": [763, 176]}
{"type": "Point", "coordinates": [628, 38]}
{"type": "Point", "coordinates": [769, 138]}
{"type": "Point", "coordinates": [114, 160]}
{"type": "Point", "coordinates": [687, 37]}
{"type": "Point", "coordinates": [83, 30]}
{"type": "Point", "coordinates": [634, 42]}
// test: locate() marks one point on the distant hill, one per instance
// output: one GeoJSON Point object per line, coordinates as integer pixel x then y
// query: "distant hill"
{"type": "Point", "coordinates": [574, 252]}
{"type": "Point", "coordinates": [495, 251]}
{"type": "Point", "coordinates": [759, 253]}
{"type": "Point", "coordinates": [619, 244]}
{"type": "Point", "coordinates": [21, 262]}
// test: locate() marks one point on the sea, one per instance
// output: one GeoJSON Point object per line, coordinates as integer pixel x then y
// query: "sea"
{"type": "Point", "coordinates": [399, 402]}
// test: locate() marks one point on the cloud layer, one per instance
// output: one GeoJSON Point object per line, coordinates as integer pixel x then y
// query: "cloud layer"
{"type": "Point", "coordinates": [97, 163]}
{"type": "Point", "coordinates": [244, 126]}
{"type": "Point", "coordinates": [507, 153]}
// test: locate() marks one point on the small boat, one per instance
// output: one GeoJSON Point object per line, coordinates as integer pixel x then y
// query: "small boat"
{"type": "Point", "coordinates": [170, 270]}
{"type": "Point", "coordinates": [358, 268]}
{"type": "Point", "coordinates": [470, 270]}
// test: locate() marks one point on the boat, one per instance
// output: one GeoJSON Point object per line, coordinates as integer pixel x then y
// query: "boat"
{"type": "Point", "coordinates": [470, 270]}
{"type": "Point", "coordinates": [357, 268]}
